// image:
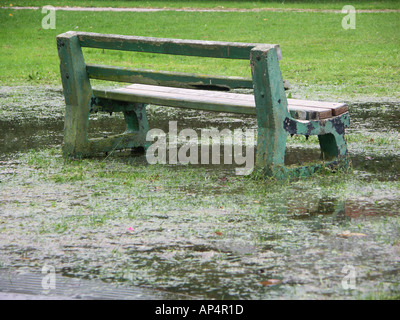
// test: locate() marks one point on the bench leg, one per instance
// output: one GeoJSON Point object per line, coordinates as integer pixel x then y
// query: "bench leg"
{"type": "Point", "coordinates": [76, 130]}
{"type": "Point", "coordinates": [271, 108]}
{"type": "Point", "coordinates": [270, 152]}
{"type": "Point", "coordinates": [332, 146]}
{"type": "Point", "coordinates": [136, 121]}
{"type": "Point", "coordinates": [77, 93]}
{"type": "Point", "coordinates": [331, 135]}
{"type": "Point", "coordinates": [136, 118]}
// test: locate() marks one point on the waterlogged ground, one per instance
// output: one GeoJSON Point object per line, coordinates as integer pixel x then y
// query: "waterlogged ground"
{"type": "Point", "coordinates": [194, 232]}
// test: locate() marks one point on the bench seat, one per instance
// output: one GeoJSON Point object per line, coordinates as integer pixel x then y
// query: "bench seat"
{"type": "Point", "coordinates": [216, 101]}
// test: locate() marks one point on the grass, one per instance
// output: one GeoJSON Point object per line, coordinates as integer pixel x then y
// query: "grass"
{"type": "Point", "coordinates": [322, 57]}
{"type": "Point", "coordinates": [138, 178]}
{"type": "Point", "coordinates": [245, 4]}
{"type": "Point", "coordinates": [132, 215]}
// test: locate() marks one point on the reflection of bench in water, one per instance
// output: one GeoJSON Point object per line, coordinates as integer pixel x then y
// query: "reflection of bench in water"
{"type": "Point", "coordinates": [277, 117]}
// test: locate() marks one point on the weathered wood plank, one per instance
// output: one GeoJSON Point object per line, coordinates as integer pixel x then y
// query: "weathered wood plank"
{"type": "Point", "coordinates": [77, 92]}
{"type": "Point", "coordinates": [313, 107]}
{"type": "Point", "coordinates": [202, 100]}
{"type": "Point", "coordinates": [179, 101]}
{"type": "Point", "coordinates": [165, 78]}
{"type": "Point", "coordinates": [337, 108]}
{"type": "Point", "coordinates": [247, 99]}
{"type": "Point", "coordinates": [311, 113]}
{"type": "Point", "coordinates": [212, 49]}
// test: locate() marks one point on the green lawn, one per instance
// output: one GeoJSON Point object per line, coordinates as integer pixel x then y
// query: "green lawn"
{"type": "Point", "coordinates": [253, 4]}
{"type": "Point", "coordinates": [318, 53]}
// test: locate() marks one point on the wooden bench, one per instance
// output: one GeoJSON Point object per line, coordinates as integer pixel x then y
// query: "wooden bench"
{"type": "Point", "coordinates": [277, 116]}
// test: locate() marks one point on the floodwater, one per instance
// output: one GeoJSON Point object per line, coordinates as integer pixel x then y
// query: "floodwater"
{"type": "Point", "coordinates": [41, 125]}
{"type": "Point", "coordinates": [25, 285]}
{"type": "Point", "coordinates": [306, 258]}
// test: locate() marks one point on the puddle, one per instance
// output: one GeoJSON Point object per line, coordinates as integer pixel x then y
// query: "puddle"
{"type": "Point", "coordinates": [344, 210]}
{"type": "Point", "coordinates": [22, 136]}
{"type": "Point", "coordinates": [376, 117]}
{"type": "Point", "coordinates": [25, 125]}
{"type": "Point", "coordinates": [211, 236]}
{"type": "Point", "coordinates": [26, 285]}
{"type": "Point", "coordinates": [383, 168]}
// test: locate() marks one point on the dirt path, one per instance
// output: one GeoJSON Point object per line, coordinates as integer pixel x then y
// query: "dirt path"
{"type": "Point", "coordinates": [109, 9]}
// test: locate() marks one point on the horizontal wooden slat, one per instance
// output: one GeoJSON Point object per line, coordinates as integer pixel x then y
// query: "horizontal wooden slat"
{"type": "Point", "coordinates": [212, 100]}
{"type": "Point", "coordinates": [247, 99]}
{"type": "Point", "coordinates": [175, 100]}
{"type": "Point", "coordinates": [212, 49]}
{"type": "Point", "coordinates": [337, 108]}
{"type": "Point", "coordinates": [311, 113]}
{"type": "Point", "coordinates": [165, 78]}
{"type": "Point", "coordinates": [324, 108]}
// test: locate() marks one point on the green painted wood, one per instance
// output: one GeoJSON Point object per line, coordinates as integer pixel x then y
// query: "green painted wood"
{"type": "Point", "coordinates": [271, 105]}
{"type": "Point", "coordinates": [212, 49]}
{"type": "Point", "coordinates": [165, 78]}
{"type": "Point", "coordinates": [330, 132]}
{"type": "Point", "coordinates": [132, 122]}
{"type": "Point", "coordinates": [108, 105]}
{"type": "Point", "coordinates": [275, 123]}
{"type": "Point", "coordinates": [336, 124]}
{"type": "Point", "coordinates": [328, 145]}
{"type": "Point", "coordinates": [116, 142]}
{"type": "Point", "coordinates": [136, 120]}
{"type": "Point", "coordinates": [77, 93]}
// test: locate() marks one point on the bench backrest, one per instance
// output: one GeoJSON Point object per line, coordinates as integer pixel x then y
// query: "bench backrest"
{"type": "Point", "coordinates": [212, 49]}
